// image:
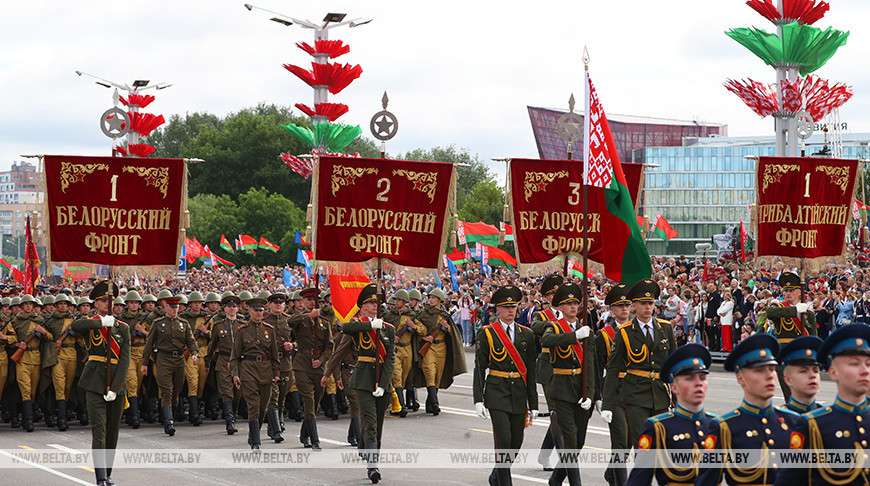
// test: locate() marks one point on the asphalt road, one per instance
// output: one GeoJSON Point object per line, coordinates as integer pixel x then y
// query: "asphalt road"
{"type": "Point", "coordinates": [456, 428]}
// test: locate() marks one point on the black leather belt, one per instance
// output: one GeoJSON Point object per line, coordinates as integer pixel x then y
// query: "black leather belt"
{"type": "Point", "coordinates": [258, 358]}
{"type": "Point", "coordinates": [174, 354]}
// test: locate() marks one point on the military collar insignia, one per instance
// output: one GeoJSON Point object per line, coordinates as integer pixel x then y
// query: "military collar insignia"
{"type": "Point", "coordinates": [681, 411]}
{"type": "Point", "coordinates": [847, 407]}
{"type": "Point", "coordinates": [750, 409]}
{"type": "Point", "coordinates": [800, 407]}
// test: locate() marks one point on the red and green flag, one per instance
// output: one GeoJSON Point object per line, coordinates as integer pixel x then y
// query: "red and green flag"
{"type": "Point", "coordinates": [663, 229]}
{"type": "Point", "coordinates": [457, 257]}
{"type": "Point", "coordinates": [216, 260]}
{"type": "Point", "coordinates": [860, 210]}
{"type": "Point", "coordinates": [17, 275]}
{"type": "Point", "coordinates": [268, 245]}
{"type": "Point", "coordinates": [497, 256]}
{"type": "Point", "coordinates": [248, 243]}
{"type": "Point", "coordinates": [744, 242]}
{"type": "Point", "coordinates": [625, 256]}
{"type": "Point", "coordinates": [576, 269]}
{"type": "Point", "coordinates": [508, 231]}
{"type": "Point", "coordinates": [480, 232]}
{"type": "Point", "coordinates": [225, 245]}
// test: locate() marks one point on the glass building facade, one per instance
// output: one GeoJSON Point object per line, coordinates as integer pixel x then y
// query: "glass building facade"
{"type": "Point", "coordinates": [708, 185]}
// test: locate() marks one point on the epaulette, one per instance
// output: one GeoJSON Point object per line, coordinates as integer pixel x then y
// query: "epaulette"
{"type": "Point", "coordinates": [181, 319]}
{"type": "Point", "coordinates": [524, 327]}
{"type": "Point", "coordinates": [727, 416]}
{"type": "Point", "coordinates": [817, 412]}
{"type": "Point", "coordinates": [488, 326]}
{"type": "Point", "coordinates": [388, 324]}
{"type": "Point", "coordinates": [242, 326]}
{"type": "Point", "coordinates": [663, 321]}
{"type": "Point", "coordinates": [711, 415]}
{"type": "Point", "coordinates": [267, 324]}
{"type": "Point", "coordinates": [788, 410]}
{"type": "Point", "coordinates": [662, 416]}
{"type": "Point", "coordinates": [624, 325]}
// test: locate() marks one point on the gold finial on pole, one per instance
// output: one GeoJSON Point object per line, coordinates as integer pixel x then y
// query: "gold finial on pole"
{"type": "Point", "coordinates": [585, 58]}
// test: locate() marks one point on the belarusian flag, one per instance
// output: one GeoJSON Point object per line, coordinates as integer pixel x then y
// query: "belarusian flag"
{"type": "Point", "coordinates": [860, 210]}
{"type": "Point", "coordinates": [480, 232]}
{"type": "Point", "coordinates": [216, 260]}
{"type": "Point", "coordinates": [17, 275]}
{"type": "Point", "coordinates": [576, 269]}
{"type": "Point", "coordinates": [508, 231]}
{"type": "Point", "coordinates": [225, 244]}
{"type": "Point", "coordinates": [268, 245]}
{"type": "Point", "coordinates": [744, 242]}
{"type": "Point", "coordinates": [663, 229]}
{"type": "Point", "coordinates": [457, 257]}
{"type": "Point", "coordinates": [625, 255]}
{"type": "Point", "coordinates": [497, 256]}
{"type": "Point", "coordinates": [248, 243]}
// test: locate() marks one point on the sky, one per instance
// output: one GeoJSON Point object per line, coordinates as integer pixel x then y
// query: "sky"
{"type": "Point", "coordinates": [455, 72]}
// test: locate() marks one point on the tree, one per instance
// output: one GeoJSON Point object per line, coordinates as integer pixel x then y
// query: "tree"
{"type": "Point", "coordinates": [365, 147]}
{"type": "Point", "coordinates": [467, 177]}
{"type": "Point", "coordinates": [171, 139]}
{"type": "Point", "coordinates": [211, 216]}
{"type": "Point", "coordinates": [484, 203]}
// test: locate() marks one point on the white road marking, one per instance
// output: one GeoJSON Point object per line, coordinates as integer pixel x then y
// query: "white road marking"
{"type": "Point", "coordinates": [538, 422]}
{"type": "Point", "coordinates": [66, 449]}
{"type": "Point", "coordinates": [47, 469]}
{"type": "Point", "coordinates": [530, 479]}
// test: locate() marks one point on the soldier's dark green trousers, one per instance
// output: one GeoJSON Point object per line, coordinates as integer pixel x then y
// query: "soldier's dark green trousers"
{"type": "Point", "coordinates": [507, 430]}
{"type": "Point", "coordinates": [618, 440]}
{"type": "Point", "coordinates": [635, 416]}
{"type": "Point", "coordinates": [105, 420]}
{"type": "Point", "coordinates": [572, 422]}
{"type": "Point", "coordinates": [372, 412]}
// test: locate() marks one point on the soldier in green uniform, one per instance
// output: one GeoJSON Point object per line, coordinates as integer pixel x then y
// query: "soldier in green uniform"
{"type": "Point", "coordinates": [414, 298]}
{"type": "Point", "coordinates": [5, 363]}
{"type": "Point", "coordinates": [508, 393]}
{"type": "Point", "coordinates": [791, 318]}
{"type": "Point", "coordinates": [640, 347]}
{"type": "Point", "coordinates": [329, 400]}
{"type": "Point", "coordinates": [284, 335]}
{"type": "Point", "coordinates": [314, 345]}
{"type": "Point", "coordinates": [148, 400]}
{"type": "Point", "coordinates": [255, 366]}
{"type": "Point", "coordinates": [294, 398]}
{"type": "Point", "coordinates": [339, 367]}
{"type": "Point", "coordinates": [543, 368]}
{"type": "Point", "coordinates": [572, 356]}
{"type": "Point", "coordinates": [135, 317]}
{"type": "Point", "coordinates": [104, 377]}
{"type": "Point", "coordinates": [64, 372]}
{"type": "Point", "coordinates": [220, 349]}
{"type": "Point", "coordinates": [620, 308]}
{"type": "Point", "coordinates": [372, 376]}
{"type": "Point", "coordinates": [201, 322]}
{"type": "Point", "coordinates": [117, 306]}
{"type": "Point", "coordinates": [402, 318]}
{"type": "Point", "coordinates": [445, 357]}
{"type": "Point", "coordinates": [29, 334]}
{"type": "Point", "coordinates": [212, 303]}
{"type": "Point", "coordinates": [166, 339]}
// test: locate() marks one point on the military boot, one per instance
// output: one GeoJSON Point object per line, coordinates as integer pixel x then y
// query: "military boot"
{"type": "Point", "coordinates": [254, 434]}
{"type": "Point", "coordinates": [133, 412]}
{"type": "Point", "coordinates": [432, 393]}
{"type": "Point", "coordinates": [168, 423]}
{"type": "Point", "coordinates": [193, 413]}
{"type": "Point", "coordinates": [61, 416]}
{"type": "Point", "coordinates": [275, 425]}
{"type": "Point", "coordinates": [230, 418]}
{"type": "Point", "coordinates": [27, 415]}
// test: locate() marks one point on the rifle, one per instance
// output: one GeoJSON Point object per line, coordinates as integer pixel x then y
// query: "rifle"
{"type": "Point", "coordinates": [20, 351]}
{"type": "Point", "coordinates": [67, 333]}
{"type": "Point", "coordinates": [200, 334]}
{"type": "Point", "coordinates": [140, 334]}
{"type": "Point", "coordinates": [425, 348]}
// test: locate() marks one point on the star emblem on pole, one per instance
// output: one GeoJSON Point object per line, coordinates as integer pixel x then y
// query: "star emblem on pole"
{"type": "Point", "coordinates": [384, 124]}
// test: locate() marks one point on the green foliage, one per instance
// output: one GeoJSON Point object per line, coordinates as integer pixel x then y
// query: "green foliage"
{"type": "Point", "coordinates": [484, 203]}
{"type": "Point", "coordinates": [366, 147]}
{"type": "Point", "coordinates": [170, 139]}
{"type": "Point", "coordinates": [467, 177]}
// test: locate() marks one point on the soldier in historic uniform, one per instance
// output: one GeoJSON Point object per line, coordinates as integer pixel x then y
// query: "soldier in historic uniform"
{"type": "Point", "coordinates": [844, 424]}
{"type": "Point", "coordinates": [255, 366]}
{"type": "Point", "coordinates": [508, 393]}
{"type": "Point", "coordinates": [543, 368]}
{"type": "Point", "coordinates": [329, 399]}
{"type": "Point", "coordinates": [640, 348]}
{"type": "Point", "coordinates": [117, 306]}
{"type": "Point", "coordinates": [136, 318]}
{"type": "Point", "coordinates": [148, 400]}
{"type": "Point", "coordinates": [445, 357]}
{"type": "Point", "coordinates": [284, 335]}
{"type": "Point", "coordinates": [104, 377]}
{"type": "Point", "coordinates": [167, 338]}
{"type": "Point", "coordinates": [213, 303]}
{"type": "Point", "coordinates": [620, 309]}
{"type": "Point", "coordinates": [414, 299]}
{"type": "Point", "coordinates": [756, 425]}
{"type": "Point", "coordinates": [791, 318]}
{"type": "Point", "coordinates": [685, 428]}
{"type": "Point", "coordinates": [402, 318]}
{"type": "Point", "coordinates": [372, 376]}
{"type": "Point", "coordinates": [800, 367]}
{"type": "Point", "coordinates": [314, 345]}
{"type": "Point", "coordinates": [294, 398]}
{"type": "Point", "coordinates": [6, 364]}
{"type": "Point", "coordinates": [201, 322]}
{"type": "Point", "coordinates": [64, 372]}
{"type": "Point", "coordinates": [567, 338]}
{"type": "Point", "coordinates": [28, 333]}
{"type": "Point", "coordinates": [220, 349]}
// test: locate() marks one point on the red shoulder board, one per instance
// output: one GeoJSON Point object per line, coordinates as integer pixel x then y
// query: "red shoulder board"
{"type": "Point", "coordinates": [268, 325]}
{"type": "Point", "coordinates": [242, 326]}
{"type": "Point", "coordinates": [486, 326]}
{"type": "Point", "coordinates": [524, 327]}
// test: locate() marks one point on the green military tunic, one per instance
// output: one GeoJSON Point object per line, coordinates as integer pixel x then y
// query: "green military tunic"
{"type": "Point", "coordinates": [284, 334]}
{"type": "Point", "coordinates": [218, 354]}
{"type": "Point", "coordinates": [371, 372]}
{"type": "Point", "coordinates": [166, 340]}
{"type": "Point", "coordinates": [255, 361]}
{"type": "Point", "coordinates": [313, 342]}
{"type": "Point", "coordinates": [786, 329]}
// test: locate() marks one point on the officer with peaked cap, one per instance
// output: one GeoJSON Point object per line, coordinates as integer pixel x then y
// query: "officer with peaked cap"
{"type": "Point", "coordinates": [801, 372]}
{"type": "Point", "coordinates": [844, 424]}
{"type": "Point", "coordinates": [108, 345]}
{"type": "Point", "coordinates": [220, 349]}
{"type": "Point", "coordinates": [685, 371]}
{"type": "Point", "coordinates": [638, 353]}
{"type": "Point", "coordinates": [275, 410]}
{"type": "Point", "coordinates": [620, 309]}
{"type": "Point", "coordinates": [508, 393]}
{"type": "Point", "coordinates": [756, 425]}
{"type": "Point", "coordinates": [372, 376]}
{"type": "Point", "coordinates": [543, 368]}
{"type": "Point", "coordinates": [572, 355]}
{"type": "Point", "coordinates": [791, 318]}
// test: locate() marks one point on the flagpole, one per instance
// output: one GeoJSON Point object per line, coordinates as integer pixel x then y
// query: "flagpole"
{"type": "Point", "coordinates": [584, 311]}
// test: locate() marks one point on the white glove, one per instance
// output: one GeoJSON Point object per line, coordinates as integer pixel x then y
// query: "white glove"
{"type": "Point", "coordinates": [598, 404]}
{"type": "Point", "coordinates": [534, 413]}
{"type": "Point", "coordinates": [108, 321]}
{"type": "Point", "coordinates": [377, 323]}
{"type": "Point", "coordinates": [801, 307]}
{"type": "Point", "coordinates": [607, 416]}
{"type": "Point", "coordinates": [586, 404]}
{"type": "Point", "coordinates": [110, 397]}
{"type": "Point", "coordinates": [481, 410]}
{"type": "Point", "coordinates": [379, 392]}
{"type": "Point", "coordinates": [583, 333]}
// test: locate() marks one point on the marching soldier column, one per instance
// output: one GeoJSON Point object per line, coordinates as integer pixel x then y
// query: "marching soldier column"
{"type": "Point", "coordinates": [218, 354]}
{"type": "Point", "coordinates": [64, 372]}
{"type": "Point", "coordinates": [543, 367]}
{"type": "Point", "coordinates": [136, 318]}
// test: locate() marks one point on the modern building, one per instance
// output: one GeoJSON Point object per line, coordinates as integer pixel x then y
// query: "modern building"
{"type": "Point", "coordinates": [21, 193]}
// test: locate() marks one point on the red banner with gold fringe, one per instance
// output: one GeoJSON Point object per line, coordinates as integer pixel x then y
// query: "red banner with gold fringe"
{"type": "Point", "coordinates": [114, 210]}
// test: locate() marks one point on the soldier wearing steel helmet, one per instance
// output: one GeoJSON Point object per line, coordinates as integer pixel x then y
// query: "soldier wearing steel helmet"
{"type": "Point", "coordinates": [402, 318]}
{"type": "Point", "coordinates": [5, 363]}
{"type": "Point", "coordinates": [200, 321]}
{"type": "Point", "coordinates": [136, 318]}
{"type": "Point", "coordinates": [414, 299]}
{"type": "Point", "coordinates": [64, 372]}
{"type": "Point", "coordinates": [28, 334]}
{"type": "Point", "coordinates": [117, 306]}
